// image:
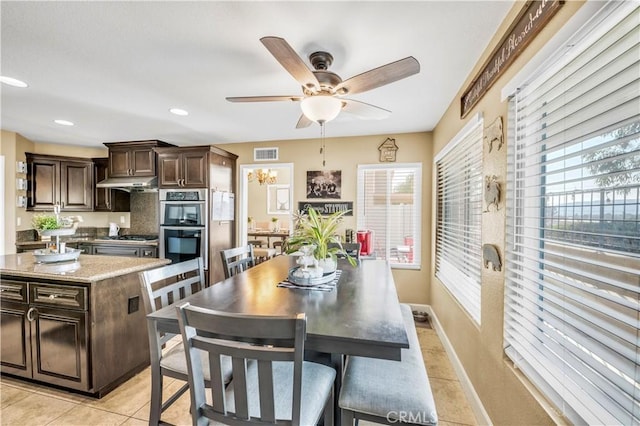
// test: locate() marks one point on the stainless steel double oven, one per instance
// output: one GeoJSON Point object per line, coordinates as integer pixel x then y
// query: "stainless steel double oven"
{"type": "Point", "coordinates": [183, 224]}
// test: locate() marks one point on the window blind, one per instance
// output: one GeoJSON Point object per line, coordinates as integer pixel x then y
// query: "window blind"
{"type": "Point", "coordinates": [572, 296]}
{"type": "Point", "coordinates": [389, 205]}
{"type": "Point", "coordinates": [459, 217]}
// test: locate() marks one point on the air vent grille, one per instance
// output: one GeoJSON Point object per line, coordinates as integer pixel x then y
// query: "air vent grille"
{"type": "Point", "coordinates": [265, 154]}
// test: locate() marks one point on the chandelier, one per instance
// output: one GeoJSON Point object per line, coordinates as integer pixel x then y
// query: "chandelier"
{"type": "Point", "coordinates": [263, 176]}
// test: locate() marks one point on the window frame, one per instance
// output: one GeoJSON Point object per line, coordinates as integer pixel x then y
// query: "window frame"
{"type": "Point", "coordinates": [416, 263]}
{"type": "Point", "coordinates": [464, 282]}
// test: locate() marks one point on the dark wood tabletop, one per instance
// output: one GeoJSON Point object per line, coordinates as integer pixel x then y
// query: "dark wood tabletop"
{"type": "Point", "coordinates": [360, 317]}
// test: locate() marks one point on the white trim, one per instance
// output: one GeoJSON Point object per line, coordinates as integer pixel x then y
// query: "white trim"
{"type": "Point", "coordinates": [482, 417]}
{"type": "Point", "coordinates": [587, 19]}
{"type": "Point", "coordinates": [475, 120]}
{"type": "Point", "coordinates": [243, 199]}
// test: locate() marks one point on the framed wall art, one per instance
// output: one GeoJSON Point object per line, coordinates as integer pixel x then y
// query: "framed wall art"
{"type": "Point", "coordinates": [278, 199]}
{"type": "Point", "coordinates": [324, 184]}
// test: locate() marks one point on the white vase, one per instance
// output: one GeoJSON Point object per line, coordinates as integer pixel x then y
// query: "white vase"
{"type": "Point", "coordinates": [328, 265]}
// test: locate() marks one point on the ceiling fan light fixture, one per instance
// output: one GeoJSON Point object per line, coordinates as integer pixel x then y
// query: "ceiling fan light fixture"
{"type": "Point", "coordinates": [321, 108]}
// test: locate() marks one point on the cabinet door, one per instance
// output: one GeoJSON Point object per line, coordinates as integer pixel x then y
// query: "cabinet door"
{"type": "Point", "coordinates": [43, 180]}
{"type": "Point", "coordinates": [119, 162]}
{"type": "Point", "coordinates": [60, 339]}
{"type": "Point", "coordinates": [76, 185]}
{"type": "Point", "coordinates": [107, 199]}
{"type": "Point", "coordinates": [195, 169]}
{"type": "Point", "coordinates": [15, 350]}
{"type": "Point", "coordinates": [143, 162]}
{"type": "Point", "coordinates": [169, 170]}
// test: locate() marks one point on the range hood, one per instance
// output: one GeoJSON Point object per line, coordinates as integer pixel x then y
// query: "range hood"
{"type": "Point", "coordinates": [130, 183]}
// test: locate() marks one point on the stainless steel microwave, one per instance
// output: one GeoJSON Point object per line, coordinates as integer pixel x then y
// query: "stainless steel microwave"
{"type": "Point", "coordinates": [183, 207]}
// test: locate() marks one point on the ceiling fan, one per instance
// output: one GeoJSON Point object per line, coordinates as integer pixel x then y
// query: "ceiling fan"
{"type": "Point", "coordinates": [322, 89]}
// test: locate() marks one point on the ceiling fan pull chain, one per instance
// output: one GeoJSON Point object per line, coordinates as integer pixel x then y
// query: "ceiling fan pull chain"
{"type": "Point", "coordinates": [322, 143]}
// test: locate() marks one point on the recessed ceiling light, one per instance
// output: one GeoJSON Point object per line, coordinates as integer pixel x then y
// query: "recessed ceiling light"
{"type": "Point", "coordinates": [13, 82]}
{"type": "Point", "coordinates": [178, 111]}
{"type": "Point", "coordinates": [63, 122]}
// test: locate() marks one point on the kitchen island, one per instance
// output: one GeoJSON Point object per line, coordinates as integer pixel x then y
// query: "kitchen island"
{"type": "Point", "coordinates": [79, 325]}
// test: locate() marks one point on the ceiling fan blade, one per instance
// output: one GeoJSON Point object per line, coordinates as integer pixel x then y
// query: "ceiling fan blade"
{"type": "Point", "coordinates": [364, 110]}
{"type": "Point", "coordinates": [380, 76]}
{"type": "Point", "coordinates": [264, 98]}
{"type": "Point", "coordinates": [290, 60]}
{"type": "Point", "coordinates": [303, 122]}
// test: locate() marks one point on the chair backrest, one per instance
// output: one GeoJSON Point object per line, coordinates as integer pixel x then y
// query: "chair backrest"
{"type": "Point", "coordinates": [242, 337]}
{"type": "Point", "coordinates": [166, 285]}
{"type": "Point", "coordinates": [236, 260]}
{"type": "Point", "coordinates": [352, 248]}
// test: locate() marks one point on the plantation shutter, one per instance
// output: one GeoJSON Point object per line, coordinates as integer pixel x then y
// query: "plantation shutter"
{"type": "Point", "coordinates": [389, 205]}
{"type": "Point", "coordinates": [459, 216]}
{"type": "Point", "coordinates": [572, 297]}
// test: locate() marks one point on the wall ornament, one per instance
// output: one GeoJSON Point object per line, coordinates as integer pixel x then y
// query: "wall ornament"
{"type": "Point", "coordinates": [388, 150]}
{"type": "Point", "coordinates": [490, 255]}
{"type": "Point", "coordinates": [492, 191]}
{"type": "Point", "coordinates": [494, 133]}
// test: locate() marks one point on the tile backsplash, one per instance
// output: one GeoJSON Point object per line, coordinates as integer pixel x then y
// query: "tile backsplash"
{"type": "Point", "coordinates": [144, 213]}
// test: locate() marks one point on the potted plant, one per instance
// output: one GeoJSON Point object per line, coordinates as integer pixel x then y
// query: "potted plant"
{"type": "Point", "coordinates": [322, 233]}
{"type": "Point", "coordinates": [276, 226]}
{"type": "Point", "coordinates": [45, 222]}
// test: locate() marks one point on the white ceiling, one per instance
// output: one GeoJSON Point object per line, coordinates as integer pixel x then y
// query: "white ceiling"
{"type": "Point", "coordinates": [115, 68]}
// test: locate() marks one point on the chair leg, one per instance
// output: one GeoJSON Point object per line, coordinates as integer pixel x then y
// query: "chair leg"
{"type": "Point", "coordinates": [156, 397]}
{"type": "Point", "coordinates": [346, 418]}
{"type": "Point", "coordinates": [328, 410]}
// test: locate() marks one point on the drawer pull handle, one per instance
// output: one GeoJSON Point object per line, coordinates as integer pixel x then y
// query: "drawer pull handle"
{"type": "Point", "coordinates": [30, 314]}
{"type": "Point", "coordinates": [53, 296]}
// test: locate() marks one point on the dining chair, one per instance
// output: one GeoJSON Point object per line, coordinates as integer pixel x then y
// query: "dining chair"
{"type": "Point", "coordinates": [237, 259]}
{"type": "Point", "coordinates": [161, 287]}
{"type": "Point", "coordinates": [255, 243]}
{"type": "Point", "coordinates": [279, 387]}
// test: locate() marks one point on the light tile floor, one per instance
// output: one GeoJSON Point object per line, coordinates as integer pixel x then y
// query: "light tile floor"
{"type": "Point", "coordinates": [24, 403]}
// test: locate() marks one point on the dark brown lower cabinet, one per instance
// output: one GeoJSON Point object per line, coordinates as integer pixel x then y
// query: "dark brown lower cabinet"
{"type": "Point", "coordinates": [49, 334]}
{"type": "Point", "coordinates": [87, 337]}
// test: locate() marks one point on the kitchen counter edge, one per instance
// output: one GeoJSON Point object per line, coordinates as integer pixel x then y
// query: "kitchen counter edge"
{"type": "Point", "coordinates": [87, 269]}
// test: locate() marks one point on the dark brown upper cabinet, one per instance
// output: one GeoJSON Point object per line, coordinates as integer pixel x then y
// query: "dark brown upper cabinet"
{"type": "Point", "coordinates": [54, 180]}
{"type": "Point", "coordinates": [183, 167]}
{"type": "Point", "coordinates": [108, 199]}
{"type": "Point", "coordinates": [136, 158]}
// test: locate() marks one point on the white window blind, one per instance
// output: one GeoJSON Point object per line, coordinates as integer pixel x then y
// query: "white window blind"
{"type": "Point", "coordinates": [459, 216]}
{"type": "Point", "coordinates": [389, 204]}
{"type": "Point", "coordinates": [572, 293]}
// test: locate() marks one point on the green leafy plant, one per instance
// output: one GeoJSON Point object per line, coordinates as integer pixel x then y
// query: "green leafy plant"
{"type": "Point", "coordinates": [43, 222]}
{"type": "Point", "coordinates": [274, 219]}
{"type": "Point", "coordinates": [321, 231]}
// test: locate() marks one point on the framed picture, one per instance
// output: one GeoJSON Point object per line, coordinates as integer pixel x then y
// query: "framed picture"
{"type": "Point", "coordinates": [278, 199]}
{"type": "Point", "coordinates": [324, 184]}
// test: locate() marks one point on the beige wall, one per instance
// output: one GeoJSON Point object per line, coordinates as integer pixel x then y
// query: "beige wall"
{"type": "Point", "coordinates": [480, 348]}
{"type": "Point", "coordinates": [345, 154]}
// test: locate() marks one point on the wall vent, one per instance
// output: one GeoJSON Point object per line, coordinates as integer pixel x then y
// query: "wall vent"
{"type": "Point", "coordinates": [265, 154]}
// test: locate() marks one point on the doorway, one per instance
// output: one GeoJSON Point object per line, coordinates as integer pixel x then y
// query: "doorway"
{"type": "Point", "coordinates": [265, 202]}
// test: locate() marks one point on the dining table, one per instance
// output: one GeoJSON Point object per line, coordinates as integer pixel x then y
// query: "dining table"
{"type": "Point", "coordinates": [359, 316]}
{"type": "Point", "coordinates": [258, 233]}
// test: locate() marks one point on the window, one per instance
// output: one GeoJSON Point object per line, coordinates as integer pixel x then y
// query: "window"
{"type": "Point", "coordinates": [459, 216]}
{"type": "Point", "coordinates": [389, 205]}
{"type": "Point", "coordinates": [572, 296]}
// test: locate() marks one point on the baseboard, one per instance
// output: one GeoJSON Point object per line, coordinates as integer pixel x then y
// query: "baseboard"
{"type": "Point", "coordinates": [476, 405]}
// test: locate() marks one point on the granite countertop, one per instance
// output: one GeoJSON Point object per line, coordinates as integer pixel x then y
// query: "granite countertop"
{"type": "Point", "coordinates": [86, 269]}
{"type": "Point", "coordinates": [27, 244]}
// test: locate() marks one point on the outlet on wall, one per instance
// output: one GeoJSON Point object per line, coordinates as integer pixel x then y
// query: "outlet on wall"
{"type": "Point", "coordinates": [122, 219]}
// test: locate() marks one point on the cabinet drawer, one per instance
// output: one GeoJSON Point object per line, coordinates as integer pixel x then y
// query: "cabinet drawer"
{"type": "Point", "coordinates": [59, 295]}
{"type": "Point", "coordinates": [13, 290]}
